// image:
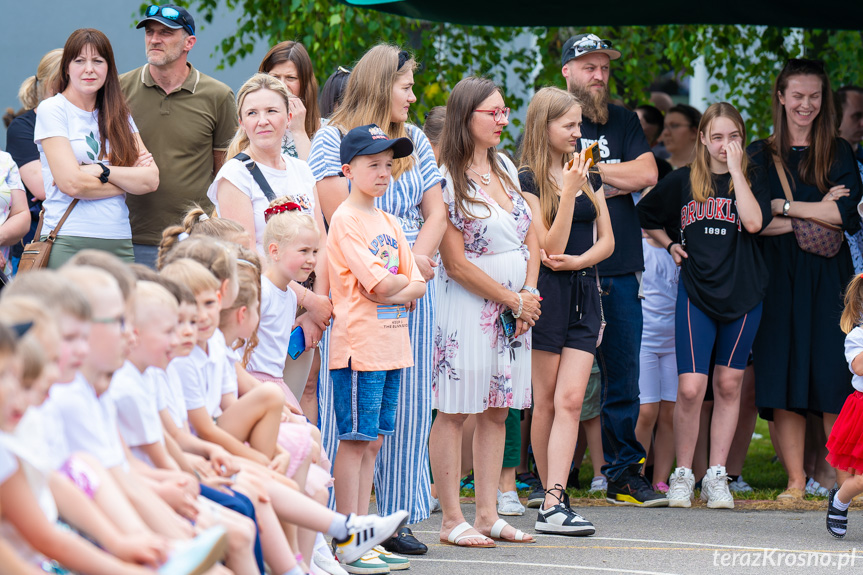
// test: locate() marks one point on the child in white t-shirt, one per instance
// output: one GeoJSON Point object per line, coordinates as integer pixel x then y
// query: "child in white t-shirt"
{"type": "Point", "coordinates": [11, 195]}
{"type": "Point", "coordinates": [657, 380]}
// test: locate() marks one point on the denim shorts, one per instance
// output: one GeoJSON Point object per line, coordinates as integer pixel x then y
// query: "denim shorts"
{"type": "Point", "coordinates": [365, 402]}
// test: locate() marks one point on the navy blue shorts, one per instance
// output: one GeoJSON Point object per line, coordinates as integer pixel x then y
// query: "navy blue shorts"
{"type": "Point", "coordinates": [696, 333]}
{"type": "Point", "coordinates": [365, 402]}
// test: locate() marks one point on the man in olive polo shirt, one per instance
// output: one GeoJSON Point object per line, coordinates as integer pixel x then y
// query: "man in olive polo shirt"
{"type": "Point", "coordinates": [185, 118]}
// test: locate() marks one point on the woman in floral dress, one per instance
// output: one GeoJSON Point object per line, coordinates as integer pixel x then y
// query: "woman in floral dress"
{"type": "Point", "coordinates": [490, 264]}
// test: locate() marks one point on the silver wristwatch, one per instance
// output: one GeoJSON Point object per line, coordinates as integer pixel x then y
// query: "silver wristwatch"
{"type": "Point", "coordinates": [785, 207]}
{"type": "Point", "coordinates": [531, 290]}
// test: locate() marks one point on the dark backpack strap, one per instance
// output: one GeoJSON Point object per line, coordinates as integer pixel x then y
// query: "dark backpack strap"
{"type": "Point", "coordinates": [257, 174]}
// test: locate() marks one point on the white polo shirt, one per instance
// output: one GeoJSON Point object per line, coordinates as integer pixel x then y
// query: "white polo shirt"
{"type": "Point", "coordinates": [89, 422]}
{"type": "Point", "coordinates": [137, 412]}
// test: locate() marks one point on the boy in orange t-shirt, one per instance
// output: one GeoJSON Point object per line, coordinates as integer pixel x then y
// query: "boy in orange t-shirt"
{"type": "Point", "coordinates": [374, 282]}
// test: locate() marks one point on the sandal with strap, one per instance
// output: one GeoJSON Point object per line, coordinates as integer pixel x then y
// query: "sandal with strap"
{"type": "Point", "coordinates": [837, 521]}
{"type": "Point", "coordinates": [457, 535]}
{"type": "Point", "coordinates": [520, 536]}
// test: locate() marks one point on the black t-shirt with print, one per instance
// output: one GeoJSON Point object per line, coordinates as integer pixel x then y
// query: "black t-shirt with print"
{"type": "Point", "coordinates": [621, 139]}
{"type": "Point", "coordinates": [725, 274]}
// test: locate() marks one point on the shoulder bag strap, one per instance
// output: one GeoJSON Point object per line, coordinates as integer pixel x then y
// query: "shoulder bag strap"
{"type": "Point", "coordinates": [53, 235]}
{"type": "Point", "coordinates": [783, 178]}
{"type": "Point", "coordinates": [596, 274]}
{"type": "Point", "coordinates": [257, 174]}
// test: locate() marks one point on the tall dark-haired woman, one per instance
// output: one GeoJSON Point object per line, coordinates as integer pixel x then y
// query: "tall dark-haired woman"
{"type": "Point", "coordinates": [719, 205]}
{"type": "Point", "coordinates": [80, 132]}
{"type": "Point", "coordinates": [486, 304]}
{"type": "Point", "coordinates": [799, 364]}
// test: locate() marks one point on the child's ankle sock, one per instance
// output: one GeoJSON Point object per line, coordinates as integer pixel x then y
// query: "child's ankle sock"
{"type": "Point", "coordinates": [321, 545]}
{"type": "Point", "coordinates": [838, 504]}
{"type": "Point", "coordinates": [339, 527]}
{"type": "Point", "coordinates": [297, 570]}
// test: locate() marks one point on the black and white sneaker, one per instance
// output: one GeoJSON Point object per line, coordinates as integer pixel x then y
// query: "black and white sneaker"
{"type": "Point", "coordinates": [364, 532]}
{"type": "Point", "coordinates": [837, 521]}
{"type": "Point", "coordinates": [536, 497]}
{"type": "Point", "coordinates": [560, 519]}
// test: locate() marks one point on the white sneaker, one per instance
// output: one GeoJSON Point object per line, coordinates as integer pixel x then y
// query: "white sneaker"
{"type": "Point", "coordinates": [598, 484]}
{"type": "Point", "coordinates": [324, 565]}
{"type": "Point", "coordinates": [364, 532]}
{"type": "Point", "coordinates": [714, 489]}
{"type": "Point", "coordinates": [508, 503]}
{"type": "Point", "coordinates": [815, 488]}
{"type": "Point", "coordinates": [434, 505]}
{"type": "Point", "coordinates": [681, 487]}
{"type": "Point", "coordinates": [739, 486]}
{"type": "Point", "coordinates": [369, 564]}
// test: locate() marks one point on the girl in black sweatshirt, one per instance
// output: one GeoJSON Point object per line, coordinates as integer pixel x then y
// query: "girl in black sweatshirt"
{"type": "Point", "coordinates": [717, 205]}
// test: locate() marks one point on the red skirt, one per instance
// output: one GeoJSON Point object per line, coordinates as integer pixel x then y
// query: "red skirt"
{"type": "Point", "coordinates": [845, 445]}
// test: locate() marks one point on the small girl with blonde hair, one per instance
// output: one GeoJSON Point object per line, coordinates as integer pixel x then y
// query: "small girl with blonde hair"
{"type": "Point", "coordinates": [845, 453]}
{"type": "Point", "coordinates": [291, 240]}
{"type": "Point", "coordinates": [197, 223]}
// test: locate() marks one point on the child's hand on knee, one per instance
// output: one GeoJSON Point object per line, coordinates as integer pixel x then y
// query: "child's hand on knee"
{"type": "Point", "coordinates": [280, 463]}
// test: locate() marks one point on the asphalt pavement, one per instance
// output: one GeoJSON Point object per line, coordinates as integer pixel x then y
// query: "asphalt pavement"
{"type": "Point", "coordinates": [658, 541]}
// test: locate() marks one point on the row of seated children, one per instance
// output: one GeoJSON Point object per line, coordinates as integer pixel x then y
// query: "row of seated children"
{"type": "Point", "coordinates": [204, 444]}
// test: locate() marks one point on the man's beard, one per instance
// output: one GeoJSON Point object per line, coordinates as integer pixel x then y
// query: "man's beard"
{"type": "Point", "coordinates": [594, 105]}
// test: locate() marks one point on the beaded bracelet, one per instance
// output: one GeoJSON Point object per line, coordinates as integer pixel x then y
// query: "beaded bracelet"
{"type": "Point", "coordinates": [520, 306]}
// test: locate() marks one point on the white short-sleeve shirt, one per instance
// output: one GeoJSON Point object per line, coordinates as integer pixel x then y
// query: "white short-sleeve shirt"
{"type": "Point", "coordinates": [296, 180]}
{"type": "Point", "coordinates": [8, 464]}
{"type": "Point", "coordinates": [107, 218]}
{"type": "Point", "coordinates": [853, 348]}
{"type": "Point", "coordinates": [202, 376]}
{"type": "Point", "coordinates": [278, 312]}
{"type": "Point", "coordinates": [171, 389]}
{"type": "Point", "coordinates": [89, 421]}
{"type": "Point", "coordinates": [137, 413]}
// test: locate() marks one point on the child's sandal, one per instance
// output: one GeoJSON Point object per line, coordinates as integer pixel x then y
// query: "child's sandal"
{"type": "Point", "coordinates": [837, 521]}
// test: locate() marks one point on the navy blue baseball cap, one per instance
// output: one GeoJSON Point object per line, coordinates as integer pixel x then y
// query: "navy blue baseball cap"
{"type": "Point", "coordinates": [172, 16]}
{"type": "Point", "coordinates": [369, 140]}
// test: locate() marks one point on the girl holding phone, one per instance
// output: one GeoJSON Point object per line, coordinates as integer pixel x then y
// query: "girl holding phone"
{"type": "Point", "coordinates": [574, 233]}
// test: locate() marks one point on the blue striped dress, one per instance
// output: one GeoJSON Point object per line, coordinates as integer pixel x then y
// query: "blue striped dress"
{"type": "Point", "coordinates": [402, 470]}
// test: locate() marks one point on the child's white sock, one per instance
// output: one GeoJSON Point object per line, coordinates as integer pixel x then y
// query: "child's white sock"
{"type": "Point", "coordinates": [321, 546]}
{"type": "Point", "coordinates": [838, 504]}
{"type": "Point", "coordinates": [339, 527]}
{"type": "Point", "coordinates": [295, 571]}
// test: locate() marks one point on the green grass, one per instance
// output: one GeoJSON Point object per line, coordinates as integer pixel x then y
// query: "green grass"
{"type": "Point", "coordinates": [766, 475]}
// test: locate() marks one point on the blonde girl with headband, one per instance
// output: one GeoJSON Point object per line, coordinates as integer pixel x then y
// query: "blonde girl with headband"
{"type": "Point", "coordinates": [291, 239]}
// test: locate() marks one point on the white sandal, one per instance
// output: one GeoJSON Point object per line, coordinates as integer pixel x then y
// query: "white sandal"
{"type": "Point", "coordinates": [498, 528]}
{"type": "Point", "coordinates": [456, 536]}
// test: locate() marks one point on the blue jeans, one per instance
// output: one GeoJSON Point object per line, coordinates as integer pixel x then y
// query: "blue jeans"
{"type": "Point", "coordinates": [618, 365]}
{"type": "Point", "coordinates": [146, 255]}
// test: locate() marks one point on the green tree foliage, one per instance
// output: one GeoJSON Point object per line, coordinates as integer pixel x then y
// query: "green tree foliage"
{"type": "Point", "coordinates": [743, 60]}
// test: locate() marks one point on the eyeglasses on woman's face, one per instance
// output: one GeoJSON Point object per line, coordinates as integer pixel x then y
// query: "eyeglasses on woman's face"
{"type": "Point", "coordinates": [497, 114]}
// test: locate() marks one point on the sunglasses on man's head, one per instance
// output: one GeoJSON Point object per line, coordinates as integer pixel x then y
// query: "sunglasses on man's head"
{"type": "Point", "coordinates": [170, 14]}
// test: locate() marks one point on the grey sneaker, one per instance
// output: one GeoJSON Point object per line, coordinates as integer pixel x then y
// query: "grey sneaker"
{"type": "Point", "coordinates": [682, 486]}
{"type": "Point", "coordinates": [739, 485]}
{"type": "Point", "coordinates": [508, 503]}
{"type": "Point", "coordinates": [714, 489]}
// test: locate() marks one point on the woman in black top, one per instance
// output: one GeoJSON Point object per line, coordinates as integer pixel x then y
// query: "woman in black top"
{"type": "Point", "coordinates": [719, 205]}
{"type": "Point", "coordinates": [565, 210]}
{"type": "Point", "coordinates": [798, 353]}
